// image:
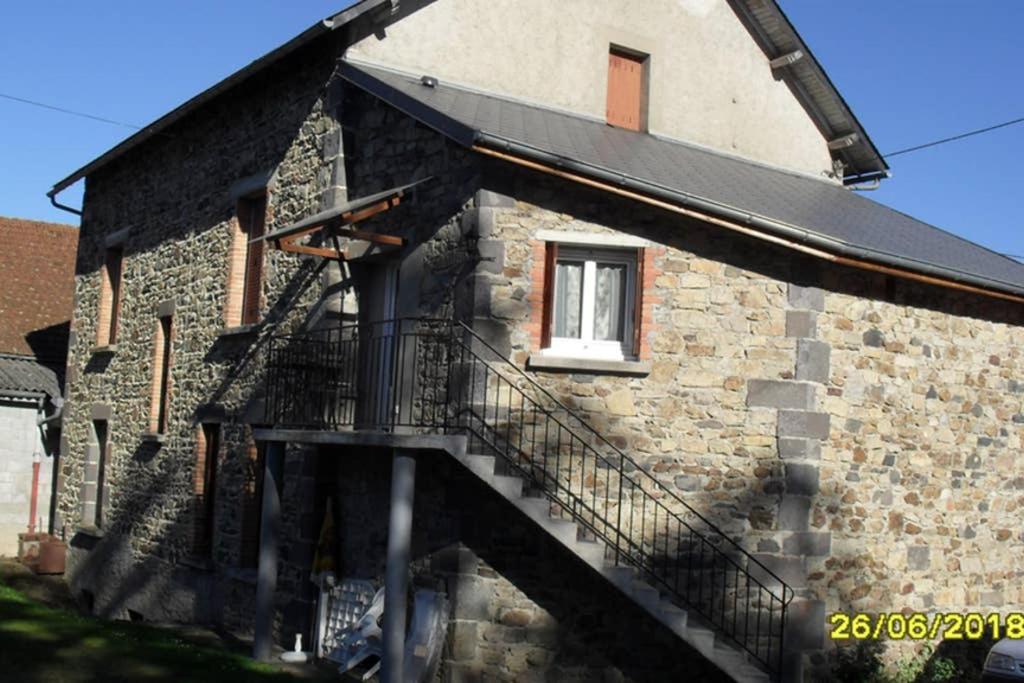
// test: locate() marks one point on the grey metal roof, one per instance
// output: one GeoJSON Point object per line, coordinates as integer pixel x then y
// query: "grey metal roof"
{"type": "Point", "coordinates": [23, 376]}
{"type": "Point", "coordinates": [801, 208]}
{"type": "Point", "coordinates": [764, 19]}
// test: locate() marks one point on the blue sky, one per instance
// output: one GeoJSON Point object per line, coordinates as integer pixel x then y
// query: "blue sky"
{"type": "Point", "coordinates": [913, 71]}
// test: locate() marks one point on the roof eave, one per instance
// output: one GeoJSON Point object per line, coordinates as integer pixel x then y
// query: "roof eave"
{"type": "Point", "coordinates": [318, 29]}
{"type": "Point", "coordinates": [768, 225]}
{"type": "Point", "coordinates": [862, 158]}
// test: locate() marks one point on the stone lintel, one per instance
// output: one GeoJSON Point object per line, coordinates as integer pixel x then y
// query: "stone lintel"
{"type": "Point", "coordinates": [777, 393]}
{"type": "Point", "coordinates": [99, 411]}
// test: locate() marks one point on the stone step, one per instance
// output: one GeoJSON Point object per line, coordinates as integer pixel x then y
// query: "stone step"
{"type": "Point", "coordinates": [625, 578]}
{"type": "Point", "coordinates": [480, 465]}
{"type": "Point", "coordinates": [511, 487]}
{"type": "Point", "coordinates": [590, 552]}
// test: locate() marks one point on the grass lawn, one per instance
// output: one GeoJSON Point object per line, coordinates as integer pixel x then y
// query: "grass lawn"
{"type": "Point", "coordinates": [47, 645]}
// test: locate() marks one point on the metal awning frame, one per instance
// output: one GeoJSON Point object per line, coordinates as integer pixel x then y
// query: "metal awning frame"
{"type": "Point", "coordinates": [337, 223]}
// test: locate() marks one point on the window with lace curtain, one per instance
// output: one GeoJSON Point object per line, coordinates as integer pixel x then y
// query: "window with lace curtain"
{"type": "Point", "coordinates": [591, 301]}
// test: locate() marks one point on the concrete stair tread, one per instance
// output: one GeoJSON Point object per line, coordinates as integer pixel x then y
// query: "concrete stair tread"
{"type": "Point", "coordinates": [626, 579]}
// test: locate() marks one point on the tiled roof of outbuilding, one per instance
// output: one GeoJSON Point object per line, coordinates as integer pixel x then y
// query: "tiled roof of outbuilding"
{"type": "Point", "coordinates": [37, 283]}
{"type": "Point", "coordinates": [24, 375]}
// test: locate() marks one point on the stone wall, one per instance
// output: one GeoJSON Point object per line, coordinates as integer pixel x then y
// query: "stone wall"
{"type": "Point", "coordinates": [855, 432]}
{"type": "Point", "coordinates": [171, 204]}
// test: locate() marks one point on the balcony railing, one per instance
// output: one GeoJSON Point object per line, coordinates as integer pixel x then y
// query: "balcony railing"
{"type": "Point", "coordinates": [440, 377]}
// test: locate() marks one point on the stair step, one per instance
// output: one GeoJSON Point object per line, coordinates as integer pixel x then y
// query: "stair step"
{"type": "Point", "coordinates": [702, 638]}
{"type": "Point", "coordinates": [539, 510]}
{"type": "Point", "coordinates": [731, 660]}
{"type": "Point", "coordinates": [674, 618]}
{"type": "Point", "coordinates": [481, 465]}
{"type": "Point", "coordinates": [592, 553]}
{"type": "Point", "coordinates": [646, 596]}
{"type": "Point", "coordinates": [620, 576]}
{"type": "Point", "coordinates": [510, 487]}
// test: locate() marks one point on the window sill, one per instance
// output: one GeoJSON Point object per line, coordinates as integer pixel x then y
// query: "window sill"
{"type": "Point", "coordinates": [153, 437]}
{"type": "Point", "coordinates": [597, 366]}
{"type": "Point", "coordinates": [106, 349]}
{"type": "Point", "coordinates": [91, 531]}
{"type": "Point", "coordinates": [238, 330]}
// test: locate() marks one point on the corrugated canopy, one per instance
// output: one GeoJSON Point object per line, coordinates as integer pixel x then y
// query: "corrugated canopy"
{"type": "Point", "coordinates": [800, 208]}
{"type": "Point", "coordinates": [345, 214]}
{"type": "Point", "coordinates": [22, 375]}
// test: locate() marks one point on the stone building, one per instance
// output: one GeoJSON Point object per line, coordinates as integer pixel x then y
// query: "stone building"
{"type": "Point", "coordinates": [600, 343]}
{"type": "Point", "coordinates": [37, 266]}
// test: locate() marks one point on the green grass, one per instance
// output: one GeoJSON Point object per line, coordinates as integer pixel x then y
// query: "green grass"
{"type": "Point", "coordinates": [42, 644]}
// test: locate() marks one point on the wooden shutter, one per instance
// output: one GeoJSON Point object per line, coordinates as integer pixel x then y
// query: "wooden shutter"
{"type": "Point", "coordinates": [114, 277]}
{"type": "Point", "coordinates": [625, 90]}
{"type": "Point", "coordinates": [638, 303]}
{"type": "Point", "coordinates": [550, 263]}
{"type": "Point", "coordinates": [165, 376]}
{"type": "Point", "coordinates": [252, 216]}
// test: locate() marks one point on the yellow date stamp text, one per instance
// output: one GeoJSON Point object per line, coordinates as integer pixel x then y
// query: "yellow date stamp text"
{"type": "Point", "coordinates": [921, 626]}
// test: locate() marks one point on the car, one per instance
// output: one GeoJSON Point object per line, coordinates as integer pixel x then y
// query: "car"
{"type": "Point", "coordinates": [1005, 661]}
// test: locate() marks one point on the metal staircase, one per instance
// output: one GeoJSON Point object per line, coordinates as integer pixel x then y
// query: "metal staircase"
{"type": "Point", "coordinates": [549, 463]}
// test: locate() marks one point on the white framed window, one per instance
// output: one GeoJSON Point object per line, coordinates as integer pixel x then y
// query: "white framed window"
{"type": "Point", "coordinates": [593, 298]}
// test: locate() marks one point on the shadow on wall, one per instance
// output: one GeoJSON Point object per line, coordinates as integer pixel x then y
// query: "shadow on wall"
{"type": "Point", "coordinates": [149, 506]}
{"type": "Point", "coordinates": [50, 345]}
{"type": "Point", "coordinates": [523, 607]}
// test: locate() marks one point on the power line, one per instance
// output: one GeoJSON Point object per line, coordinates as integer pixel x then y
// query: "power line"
{"type": "Point", "coordinates": [72, 112]}
{"type": "Point", "coordinates": [955, 137]}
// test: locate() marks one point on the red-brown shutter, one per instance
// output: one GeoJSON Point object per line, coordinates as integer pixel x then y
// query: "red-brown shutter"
{"type": "Point", "coordinates": [550, 263]}
{"type": "Point", "coordinates": [114, 275]}
{"type": "Point", "coordinates": [625, 90]}
{"type": "Point", "coordinates": [252, 216]}
{"type": "Point", "coordinates": [165, 376]}
{"type": "Point", "coordinates": [638, 303]}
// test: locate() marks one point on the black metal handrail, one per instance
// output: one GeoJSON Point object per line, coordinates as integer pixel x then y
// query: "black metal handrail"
{"type": "Point", "coordinates": [435, 375]}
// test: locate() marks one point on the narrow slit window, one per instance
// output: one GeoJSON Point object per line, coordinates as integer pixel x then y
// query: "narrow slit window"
{"type": "Point", "coordinates": [100, 433]}
{"type": "Point", "coordinates": [207, 450]}
{"type": "Point", "coordinates": [252, 499]}
{"type": "Point", "coordinates": [252, 214]}
{"type": "Point", "coordinates": [110, 297]}
{"type": "Point", "coordinates": [162, 358]}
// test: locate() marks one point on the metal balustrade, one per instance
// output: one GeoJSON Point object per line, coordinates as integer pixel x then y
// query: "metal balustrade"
{"type": "Point", "coordinates": [441, 377]}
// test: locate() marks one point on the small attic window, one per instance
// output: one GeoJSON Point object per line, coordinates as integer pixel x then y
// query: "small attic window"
{"type": "Point", "coordinates": [627, 89]}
